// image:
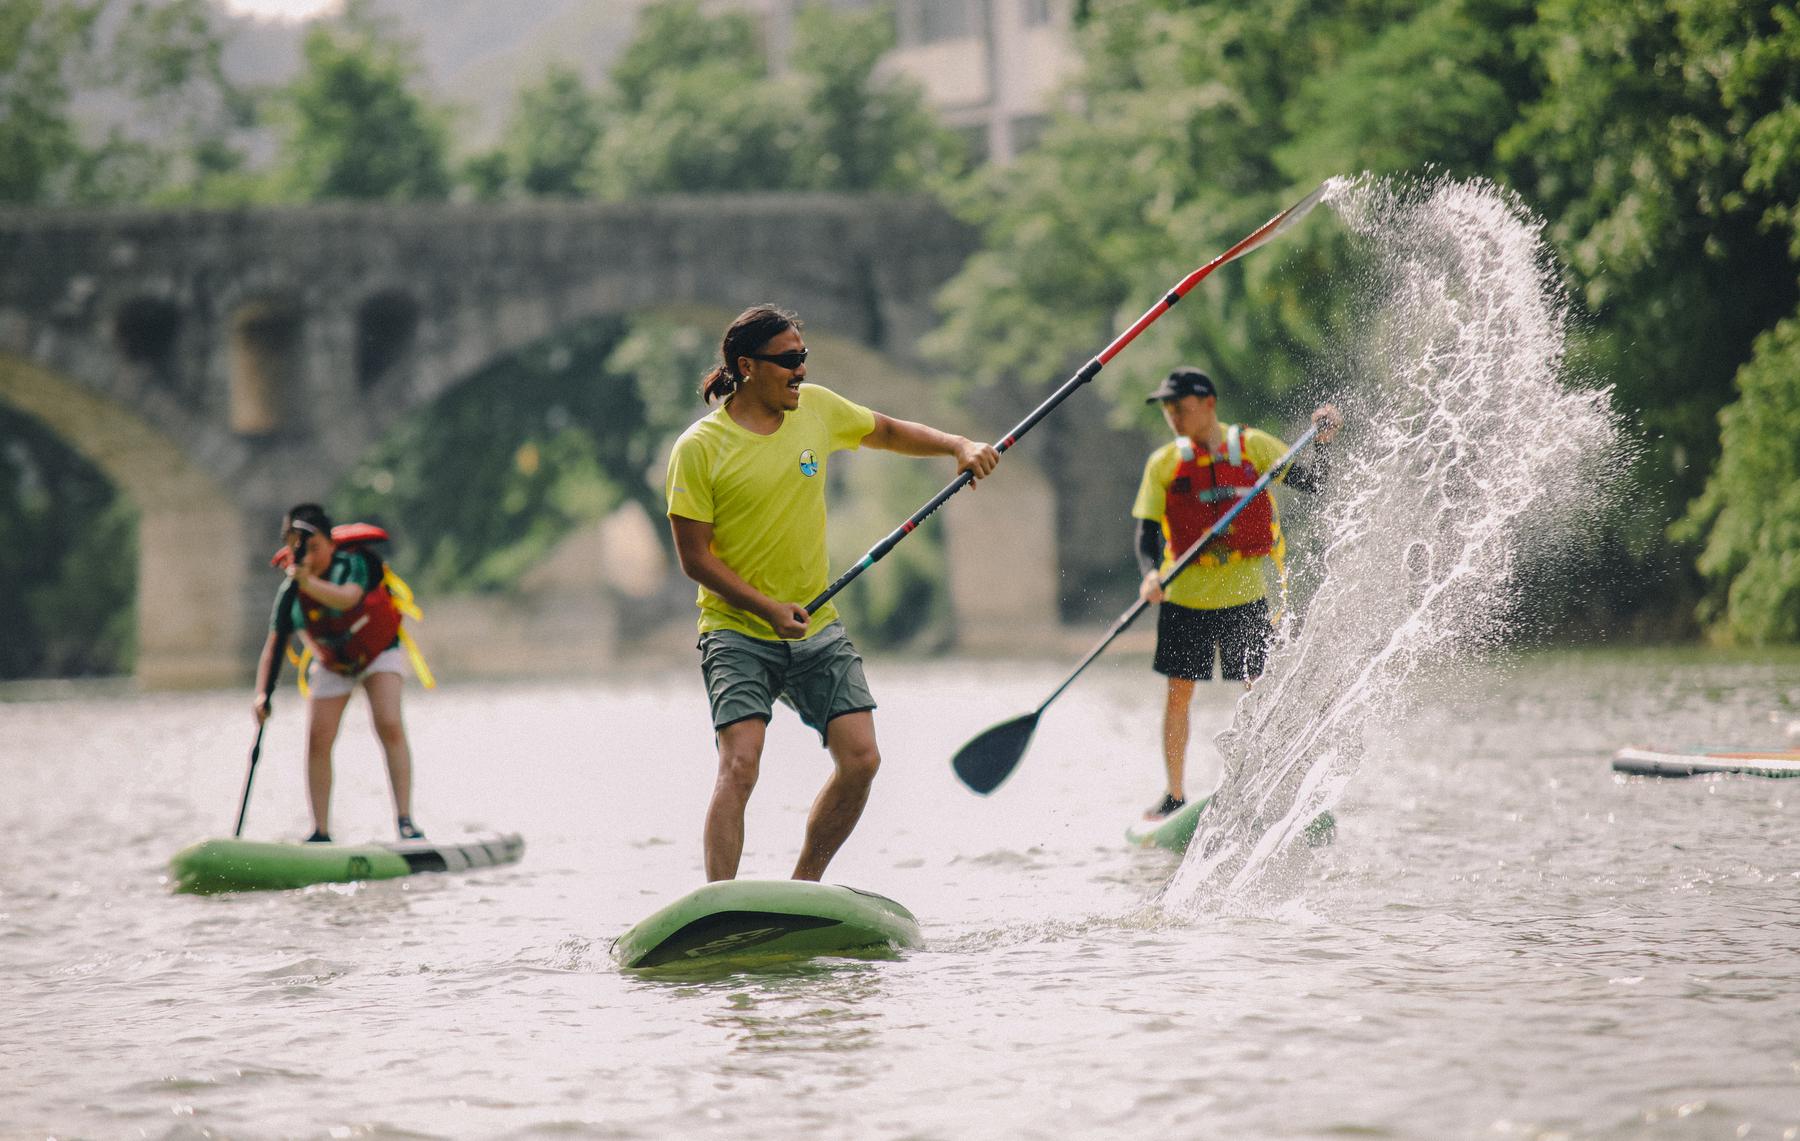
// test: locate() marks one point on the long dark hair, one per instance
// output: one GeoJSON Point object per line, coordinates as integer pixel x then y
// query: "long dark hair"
{"type": "Point", "coordinates": [753, 328]}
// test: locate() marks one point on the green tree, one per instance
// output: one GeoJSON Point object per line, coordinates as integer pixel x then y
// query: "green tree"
{"type": "Point", "coordinates": [674, 37]}
{"type": "Point", "coordinates": [1750, 511]}
{"type": "Point", "coordinates": [1640, 151]}
{"type": "Point", "coordinates": [39, 42]}
{"type": "Point", "coordinates": [1182, 143]}
{"type": "Point", "coordinates": [159, 61]}
{"type": "Point", "coordinates": [1661, 149]}
{"type": "Point", "coordinates": [168, 57]}
{"type": "Point", "coordinates": [357, 130]}
{"type": "Point", "coordinates": [1436, 85]}
{"type": "Point", "coordinates": [698, 110]}
{"type": "Point", "coordinates": [868, 133]}
{"type": "Point", "coordinates": [554, 133]}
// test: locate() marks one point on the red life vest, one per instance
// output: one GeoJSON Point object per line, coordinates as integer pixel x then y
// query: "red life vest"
{"type": "Point", "coordinates": [1206, 486]}
{"type": "Point", "coordinates": [347, 642]}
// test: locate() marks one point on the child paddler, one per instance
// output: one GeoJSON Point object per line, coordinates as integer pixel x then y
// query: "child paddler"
{"type": "Point", "coordinates": [746, 504]}
{"type": "Point", "coordinates": [342, 601]}
{"type": "Point", "coordinates": [1219, 603]}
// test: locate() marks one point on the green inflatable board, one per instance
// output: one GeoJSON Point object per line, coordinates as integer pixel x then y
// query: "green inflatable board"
{"type": "Point", "coordinates": [766, 919]}
{"type": "Point", "coordinates": [251, 865]}
{"type": "Point", "coordinates": [1176, 830]}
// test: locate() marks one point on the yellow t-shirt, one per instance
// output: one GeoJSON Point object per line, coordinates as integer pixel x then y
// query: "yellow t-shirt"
{"type": "Point", "coordinates": [1204, 585]}
{"type": "Point", "coordinates": [765, 497]}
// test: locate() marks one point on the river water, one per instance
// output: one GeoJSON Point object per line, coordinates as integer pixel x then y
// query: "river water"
{"type": "Point", "coordinates": [1505, 941]}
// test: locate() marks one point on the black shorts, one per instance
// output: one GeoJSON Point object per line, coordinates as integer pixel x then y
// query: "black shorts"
{"type": "Point", "coordinates": [1186, 639]}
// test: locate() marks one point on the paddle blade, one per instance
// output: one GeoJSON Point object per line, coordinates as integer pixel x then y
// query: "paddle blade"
{"type": "Point", "coordinates": [990, 758]}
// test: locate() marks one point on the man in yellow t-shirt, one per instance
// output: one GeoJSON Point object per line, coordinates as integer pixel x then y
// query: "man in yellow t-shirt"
{"type": "Point", "coordinates": [746, 496]}
{"type": "Point", "coordinates": [1219, 603]}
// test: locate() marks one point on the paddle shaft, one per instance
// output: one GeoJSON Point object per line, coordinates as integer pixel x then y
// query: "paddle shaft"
{"type": "Point", "coordinates": [1086, 373]}
{"type": "Point", "coordinates": [1187, 557]}
{"type": "Point", "coordinates": [283, 630]}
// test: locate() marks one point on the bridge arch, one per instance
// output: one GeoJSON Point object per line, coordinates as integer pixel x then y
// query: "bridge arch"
{"type": "Point", "coordinates": [182, 511]}
{"type": "Point", "coordinates": [221, 428]}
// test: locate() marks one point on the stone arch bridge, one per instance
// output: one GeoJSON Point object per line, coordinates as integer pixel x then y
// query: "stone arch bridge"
{"type": "Point", "coordinates": [219, 365]}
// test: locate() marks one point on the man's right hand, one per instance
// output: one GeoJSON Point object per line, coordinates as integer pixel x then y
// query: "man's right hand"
{"type": "Point", "coordinates": [1150, 590]}
{"type": "Point", "coordinates": [259, 708]}
{"type": "Point", "coordinates": [789, 619]}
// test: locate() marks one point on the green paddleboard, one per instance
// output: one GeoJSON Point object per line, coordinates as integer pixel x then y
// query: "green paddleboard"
{"type": "Point", "coordinates": [251, 865]}
{"type": "Point", "coordinates": [734, 920]}
{"type": "Point", "coordinates": [1176, 830]}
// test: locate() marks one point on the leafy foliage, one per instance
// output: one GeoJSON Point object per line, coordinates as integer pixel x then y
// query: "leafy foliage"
{"type": "Point", "coordinates": [38, 39]}
{"type": "Point", "coordinates": [693, 107]}
{"type": "Point", "coordinates": [67, 565]}
{"type": "Point", "coordinates": [1660, 137]}
{"type": "Point", "coordinates": [161, 59]}
{"type": "Point", "coordinates": [480, 485]}
{"type": "Point", "coordinates": [356, 128]}
{"type": "Point", "coordinates": [1750, 511]}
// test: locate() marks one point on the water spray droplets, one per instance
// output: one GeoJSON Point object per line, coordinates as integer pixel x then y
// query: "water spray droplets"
{"type": "Point", "coordinates": [1466, 446]}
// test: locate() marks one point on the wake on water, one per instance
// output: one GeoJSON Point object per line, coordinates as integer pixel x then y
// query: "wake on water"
{"type": "Point", "coordinates": [1465, 446]}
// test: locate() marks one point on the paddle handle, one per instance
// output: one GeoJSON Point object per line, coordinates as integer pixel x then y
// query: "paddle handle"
{"type": "Point", "coordinates": [1087, 372]}
{"type": "Point", "coordinates": [1187, 558]}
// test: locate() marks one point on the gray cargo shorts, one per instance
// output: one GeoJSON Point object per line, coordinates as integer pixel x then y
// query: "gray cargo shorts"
{"type": "Point", "coordinates": [819, 678]}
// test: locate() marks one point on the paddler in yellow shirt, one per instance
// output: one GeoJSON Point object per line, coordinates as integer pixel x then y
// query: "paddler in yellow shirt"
{"type": "Point", "coordinates": [1218, 605]}
{"type": "Point", "coordinates": [746, 505]}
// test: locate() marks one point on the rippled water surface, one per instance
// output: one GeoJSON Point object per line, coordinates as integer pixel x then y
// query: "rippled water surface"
{"type": "Point", "coordinates": [1506, 940]}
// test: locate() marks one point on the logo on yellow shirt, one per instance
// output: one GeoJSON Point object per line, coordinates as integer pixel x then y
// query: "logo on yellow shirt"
{"type": "Point", "coordinates": [809, 463]}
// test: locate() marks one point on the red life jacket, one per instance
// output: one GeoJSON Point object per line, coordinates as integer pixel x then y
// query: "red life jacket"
{"type": "Point", "coordinates": [347, 642]}
{"type": "Point", "coordinates": [1205, 487]}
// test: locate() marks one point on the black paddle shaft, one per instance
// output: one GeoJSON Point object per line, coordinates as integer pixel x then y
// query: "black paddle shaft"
{"type": "Point", "coordinates": [1086, 373]}
{"type": "Point", "coordinates": [284, 628]}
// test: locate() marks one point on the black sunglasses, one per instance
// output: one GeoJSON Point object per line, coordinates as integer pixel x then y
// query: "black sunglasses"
{"type": "Point", "coordinates": [789, 361]}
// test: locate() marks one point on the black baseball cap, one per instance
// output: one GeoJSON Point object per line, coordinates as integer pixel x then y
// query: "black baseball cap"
{"type": "Point", "coordinates": [1184, 381]}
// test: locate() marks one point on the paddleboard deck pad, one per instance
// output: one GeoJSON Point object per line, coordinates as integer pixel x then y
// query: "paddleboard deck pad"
{"type": "Point", "coordinates": [252, 865]}
{"type": "Point", "coordinates": [1175, 831]}
{"type": "Point", "coordinates": [766, 919]}
{"type": "Point", "coordinates": [1702, 761]}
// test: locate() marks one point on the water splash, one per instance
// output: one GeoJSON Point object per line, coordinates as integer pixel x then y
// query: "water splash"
{"type": "Point", "coordinates": [1468, 447]}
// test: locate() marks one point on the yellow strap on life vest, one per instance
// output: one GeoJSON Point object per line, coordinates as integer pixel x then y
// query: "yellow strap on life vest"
{"type": "Point", "coordinates": [409, 608]}
{"type": "Point", "coordinates": [301, 660]}
{"type": "Point", "coordinates": [418, 660]}
{"type": "Point", "coordinates": [402, 593]}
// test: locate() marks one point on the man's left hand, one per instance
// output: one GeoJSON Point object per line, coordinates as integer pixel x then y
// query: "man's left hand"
{"type": "Point", "coordinates": [976, 459]}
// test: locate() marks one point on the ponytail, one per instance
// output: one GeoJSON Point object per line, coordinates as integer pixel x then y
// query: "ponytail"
{"type": "Point", "coordinates": [753, 328]}
{"type": "Point", "coordinates": [718, 384]}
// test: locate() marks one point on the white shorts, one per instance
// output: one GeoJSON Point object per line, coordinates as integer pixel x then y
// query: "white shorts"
{"type": "Point", "coordinates": [329, 683]}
